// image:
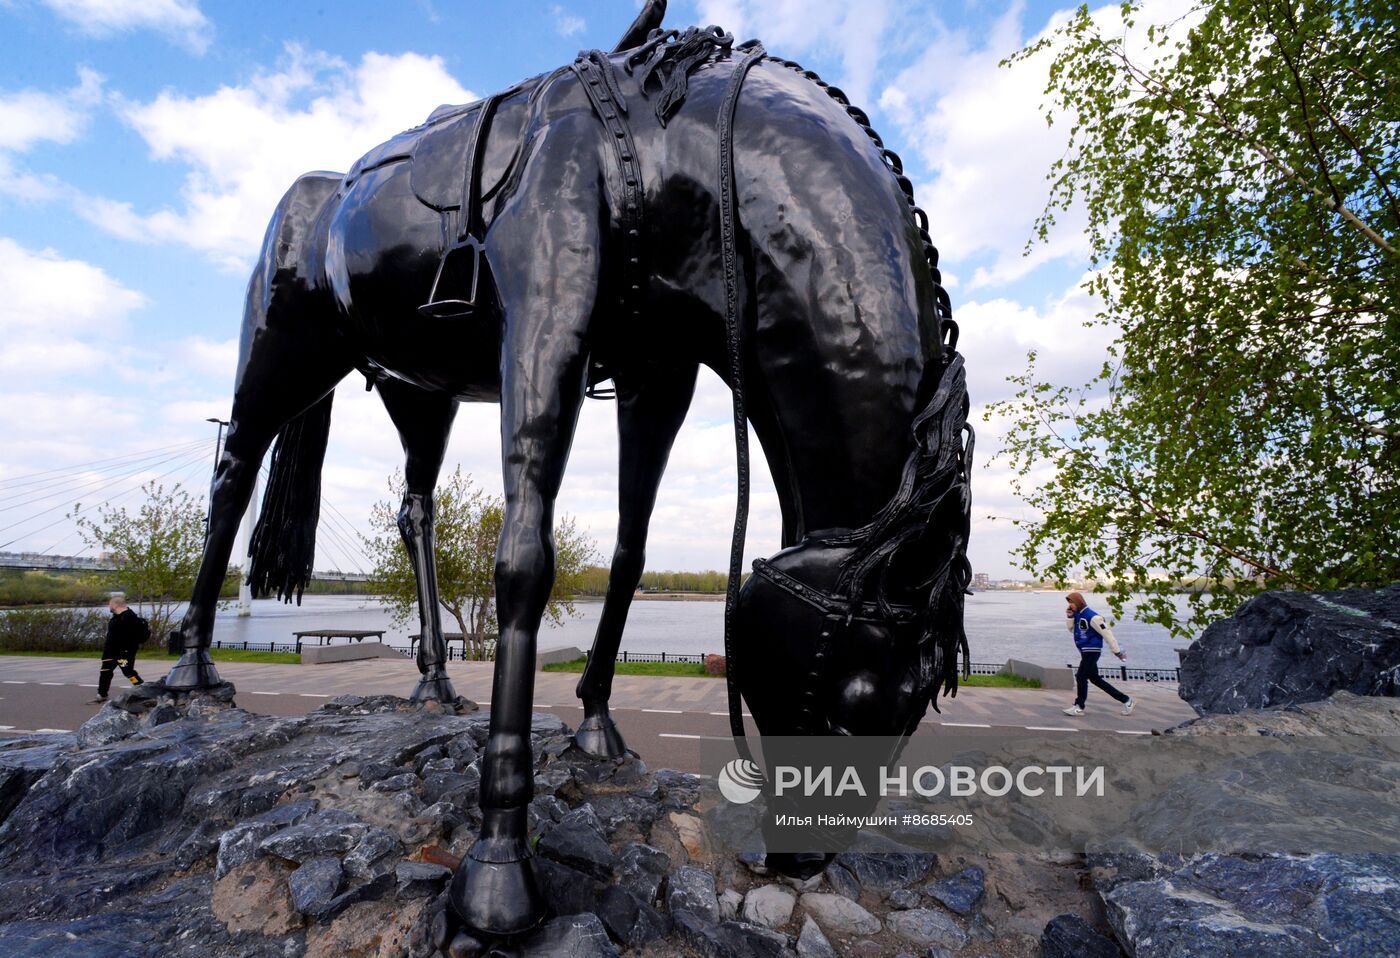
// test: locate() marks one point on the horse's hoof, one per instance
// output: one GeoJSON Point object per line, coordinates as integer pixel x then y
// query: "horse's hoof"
{"type": "Point", "coordinates": [799, 865]}
{"type": "Point", "coordinates": [599, 737]}
{"type": "Point", "coordinates": [434, 688]}
{"type": "Point", "coordinates": [497, 898]}
{"type": "Point", "coordinates": [195, 670]}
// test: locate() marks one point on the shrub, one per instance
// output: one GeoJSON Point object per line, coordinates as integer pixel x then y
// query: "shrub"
{"type": "Point", "coordinates": [714, 665]}
{"type": "Point", "coordinates": [52, 630]}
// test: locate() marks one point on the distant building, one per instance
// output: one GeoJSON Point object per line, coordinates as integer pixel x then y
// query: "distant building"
{"type": "Point", "coordinates": [981, 581]}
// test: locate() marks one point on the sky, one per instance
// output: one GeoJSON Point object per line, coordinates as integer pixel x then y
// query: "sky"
{"type": "Point", "coordinates": [145, 143]}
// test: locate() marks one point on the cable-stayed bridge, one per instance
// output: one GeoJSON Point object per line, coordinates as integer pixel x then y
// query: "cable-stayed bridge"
{"type": "Point", "coordinates": [37, 510]}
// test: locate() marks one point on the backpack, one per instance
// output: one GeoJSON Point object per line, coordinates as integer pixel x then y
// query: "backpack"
{"type": "Point", "coordinates": [143, 629]}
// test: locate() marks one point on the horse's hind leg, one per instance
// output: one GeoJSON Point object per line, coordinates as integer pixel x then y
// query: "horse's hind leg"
{"type": "Point", "coordinates": [289, 362]}
{"type": "Point", "coordinates": [424, 422]}
{"type": "Point", "coordinates": [650, 412]}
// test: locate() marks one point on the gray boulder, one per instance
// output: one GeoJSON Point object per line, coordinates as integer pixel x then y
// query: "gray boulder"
{"type": "Point", "coordinates": [1069, 936]}
{"type": "Point", "coordinates": [1224, 906]}
{"type": "Point", "coordinates": [331, 832]}
{"type": "Point", "coordinates": [730, 939]}
{"type": "Point", "coordinates": [811, 943]}
{"type": "Point", "coordinates": [314, 885]}
{"type": "Point", "coordinates": [839, 915]}
{"type": "Point", "coordinates": [641, 869]}
{"type": "Point", "coordinates": [927, 926]}
{"type": "Point", "coordinates": [567, 890]}
{"type": "Point", "coordinates": [880, 872]}
{"type": "Point", "coordinates": [420, 879]}
{"type": "Point", "coordinates": [961, 892]}
{"type": "Point", "coordinates": [578, 841]}
{"type": "Point", "coordinates": [376, 854]}
{"type": "Point", "coordinates": [632, 921]}
{"type": "Point", "coordinates": [578, 936]}
{"type": "Point", "coordinates": [110, 724]}
{"type": "Point", "coordinates": [1287, 648]}
{"type": "Point", "coordinates": [769, 905]}
{"type": "Point", "coordinates": [692, 889]}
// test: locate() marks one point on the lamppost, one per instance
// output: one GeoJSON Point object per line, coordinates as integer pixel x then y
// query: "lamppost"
{"type": "Point", "coordinates": [245, 529]}
{"type": "Point", "coordinates": [218, 451]}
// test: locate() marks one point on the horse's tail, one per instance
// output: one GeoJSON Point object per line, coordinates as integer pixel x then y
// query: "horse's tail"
{"type": "Point", "coordinates": [284, 541]}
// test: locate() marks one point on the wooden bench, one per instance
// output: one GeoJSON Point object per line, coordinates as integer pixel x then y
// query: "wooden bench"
{"type": "Point", "coordinates": [323, 635]}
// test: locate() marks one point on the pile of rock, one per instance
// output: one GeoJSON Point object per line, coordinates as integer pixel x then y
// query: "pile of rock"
{"type": "Point", "coordinates": [334, 834]}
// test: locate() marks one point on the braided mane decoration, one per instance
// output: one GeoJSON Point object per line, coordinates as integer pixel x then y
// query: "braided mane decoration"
{"type": "Point", "coordinates": [670, 56]}
{"type": "Point", "coordinates": [936, 479]}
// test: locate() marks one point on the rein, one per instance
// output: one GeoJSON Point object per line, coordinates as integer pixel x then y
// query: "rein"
{"type": "Point", "coordinates": [753, 52]}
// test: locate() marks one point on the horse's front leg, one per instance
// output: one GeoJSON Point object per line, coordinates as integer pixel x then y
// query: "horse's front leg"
{"type": "Point", "coordinates": [649, 414]}
{"type": "Point", "coordinates": [544, 251]}
{"type": "Point", "coordinates": [424, 422]}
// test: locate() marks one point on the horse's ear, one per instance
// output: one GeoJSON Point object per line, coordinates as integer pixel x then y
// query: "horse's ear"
{"type": "Point", "coordinates": [648, 20]}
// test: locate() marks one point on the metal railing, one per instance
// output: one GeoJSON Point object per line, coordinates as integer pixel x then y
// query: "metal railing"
{"type": "Point", "coordinates": [1123, 673]}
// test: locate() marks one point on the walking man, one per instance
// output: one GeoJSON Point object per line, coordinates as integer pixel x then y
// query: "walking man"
{"type": "Point", "coordinates": [126, 631]}
{"type": "Point", "coordinates": [1090, 631]}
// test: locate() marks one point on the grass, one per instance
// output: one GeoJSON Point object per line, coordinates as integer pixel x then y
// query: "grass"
{"type": "Point", "coordinates": [997, 682]}
{"type": "Point", "coordinates": [695, 670]}
{"type": "Point", "coordinates": [218, 655]}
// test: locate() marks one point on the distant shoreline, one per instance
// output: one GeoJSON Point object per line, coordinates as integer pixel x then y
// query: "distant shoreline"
{"type": "Point", "coordinates": [680, 596]}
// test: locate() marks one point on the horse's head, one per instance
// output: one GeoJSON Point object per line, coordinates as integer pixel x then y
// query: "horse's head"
{"type": "Point", "coordinates": [809, 661]}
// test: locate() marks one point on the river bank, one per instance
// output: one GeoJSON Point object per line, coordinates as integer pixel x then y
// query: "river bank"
{"type": "Point", "coordinates": [1000, 626]}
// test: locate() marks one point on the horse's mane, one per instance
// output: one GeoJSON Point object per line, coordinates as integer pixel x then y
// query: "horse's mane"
{"type": "Point", "coordinates": [669, 56]}
{"type": "Point", "coordinates": [933, 488]}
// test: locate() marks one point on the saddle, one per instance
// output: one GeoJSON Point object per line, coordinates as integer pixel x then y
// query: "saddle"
{"type": "Point", "coordinates": [456, 150]}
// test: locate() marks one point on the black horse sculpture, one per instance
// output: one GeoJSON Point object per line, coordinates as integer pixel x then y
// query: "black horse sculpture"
{"type": "Point", "coordinates": [680, 201]}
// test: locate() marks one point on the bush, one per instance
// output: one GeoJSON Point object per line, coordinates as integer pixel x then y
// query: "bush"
{"type": "Point", "coordinates": [52, 630]}
{"type": "Point", "coordinates": [715, 665]}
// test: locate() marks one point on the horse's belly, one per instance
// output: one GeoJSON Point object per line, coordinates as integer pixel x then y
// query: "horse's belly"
{"type": "Point", "coordinates": [382, 254]}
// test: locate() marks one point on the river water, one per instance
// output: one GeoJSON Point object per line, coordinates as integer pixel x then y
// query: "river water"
{"type": "Point", "coordinates": [1000, 625]}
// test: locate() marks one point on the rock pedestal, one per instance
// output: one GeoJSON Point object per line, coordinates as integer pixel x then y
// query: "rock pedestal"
{"type": "Point", "coordinates": [335, 834]}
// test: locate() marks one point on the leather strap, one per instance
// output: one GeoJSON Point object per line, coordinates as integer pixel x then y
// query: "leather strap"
{"type": "Point", "coordinates": [831, 604]}
{"type": "Point", "coordinates": [469, 216]}
{"type": "Point", "coordinates": [595, 73]}
{"type": "Point", "coordinates": [729, 248]}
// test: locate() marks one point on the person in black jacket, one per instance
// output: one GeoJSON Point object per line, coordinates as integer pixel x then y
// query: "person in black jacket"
{"type": "Point", "coordinates": [126, 631]}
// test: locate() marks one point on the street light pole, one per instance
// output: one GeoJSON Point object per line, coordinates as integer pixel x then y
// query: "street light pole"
{"type": "Point", "coordinates": [245, 529]}
{"type": "Point", "coordinates": [218, 451]}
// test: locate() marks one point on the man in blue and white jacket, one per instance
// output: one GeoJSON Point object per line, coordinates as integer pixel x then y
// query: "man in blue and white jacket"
{"type": "Point", "coordinates": [1090, 631]}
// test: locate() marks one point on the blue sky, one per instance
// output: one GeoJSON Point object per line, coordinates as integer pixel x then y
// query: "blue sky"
{"type": "Point", "coordinates": [143, 144]}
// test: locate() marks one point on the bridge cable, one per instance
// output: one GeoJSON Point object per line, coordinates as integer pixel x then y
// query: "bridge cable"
{"type": "Point", "coordinates": [186, 461]}
{"type": "Point", "coordinates": [33, 478]}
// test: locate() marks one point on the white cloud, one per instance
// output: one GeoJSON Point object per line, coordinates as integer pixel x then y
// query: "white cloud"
{"type": "Point", "coordinates": [567, 24]}
{"type": "Point", "coordinates": [179, 20]}
{"type": "Point", "coordinates": [981, 129]}
{"type": "Point", "coordinates": [46, 295]}
{"type": "Point", "coordinates": [244, 145]}
{"type": "Point", "coordinates": [28, 117]}
{"type": "Point", "coordinates": [855, 33]}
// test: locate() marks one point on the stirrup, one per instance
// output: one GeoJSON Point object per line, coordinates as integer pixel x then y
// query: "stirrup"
{"type": "Point", "coordinates": [457, 282]}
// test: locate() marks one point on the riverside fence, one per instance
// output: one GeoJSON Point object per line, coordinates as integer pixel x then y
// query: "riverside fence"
{"type": "Point", "coordinates": [1122, 673]}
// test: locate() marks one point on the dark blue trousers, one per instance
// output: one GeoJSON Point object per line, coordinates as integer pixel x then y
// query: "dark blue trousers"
{"type": "Point", "coordinates": [1087, 672]}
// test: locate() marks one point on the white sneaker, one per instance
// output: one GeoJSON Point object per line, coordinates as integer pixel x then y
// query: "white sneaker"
{"type": "Point", "coordinates": [1074, 710]}
{"type": "Point", "coordinates": [1128, 707]}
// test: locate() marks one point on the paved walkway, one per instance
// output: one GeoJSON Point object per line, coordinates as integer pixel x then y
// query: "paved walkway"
{"type": "Point", "coordinates": [688, 701]}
